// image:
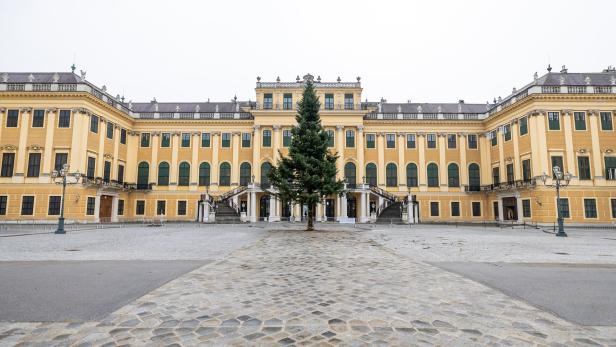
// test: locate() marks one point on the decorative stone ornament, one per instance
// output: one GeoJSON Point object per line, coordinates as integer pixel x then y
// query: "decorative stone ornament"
{"type": "Point", "coordinates": [31, 78]}
{"type": "Point", "coordinates": [83, 75]}
{"type": "Point", "coordinates": [5, 77]}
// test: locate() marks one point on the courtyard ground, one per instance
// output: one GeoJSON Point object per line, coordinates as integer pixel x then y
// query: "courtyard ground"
{"type": "Point", "coordinates": [277, 285]}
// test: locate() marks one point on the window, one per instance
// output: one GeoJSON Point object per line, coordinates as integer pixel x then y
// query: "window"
{"type": "Point", "coordinates": [474, 178]}
{"type": "Point", "coordinates": [523, 124]}
{"type": "Point", "coordinates": [493, 138]}
{"type": "Point", "coordinates": [184, 174]}
{"type": "Point", "coordinates": [580, 120]}
{"type": "Point", "coordinates": [120, 207]}
{"type": "Point", "coordinates": [495, 175]}
{"type": "Point", "coordinates": [564, 208]}
{"type": "Point", "coordinates": [161, 207]}
{"type": "Point", "coordinates": [526, 213]}
{"type": "Point", "coordinates": [287, 101]}
{"type": "Point", "coordinates": [391, 173]}
{"type": "Point", "coordinates": [390, 140]}
{"type": "Point", "coordinates": [225, 174]}
{"type": "Point", "coordinates": [140, 208]}
{"type": "Point", "coordinates": [553, 121]}
{"type": "Point", "coordinates": [8, 161]}
{"type": "Point", "coordinates": [507, 132]}
{"type": "Point", "coordinates": [268, 101]}
{"type": "Point", "coordinates": [455, 209]}
{"type": "Point", "coordinates": [583, 168]}
{"type": "Point", "coordinates": [107, 171]}
{"type": "Point", "coordinates": [38, 118]}
{"type": "Point", "coordinates": [370, 141]}
{"type": "Point", "coordinates": [330, 138]}
{"type": "Point", "coordinates": [61, 159]}
{"type": "Point", "coordinates": [350, 173]}
{"type": "Point", "coordinates": [590, 208]}
{"type": "Point", "coordinates": [91, 167]}
{"type": "Point", "coordinates": [509, 170]}
{"type": "Point", "coordinates": [121, 173]}
{"type": "Point", "coordinates": [110, 130]}
{"type": "Point", "coordinates": [432, 175]}
{"type": "Point", "coordinates": [610, 168]}
{"type": "Point", "coordinates": [27, 205]}
{"type": "Point", "coordinates": [350, 138]}
{"type": "Point", "coordinates": [225, 140]}
{"type": "Point", "coordinates": [90, 205]}
{"type": "Point", "coordinates": [64, 120]}
{"type": "Point", "coordinates": [94, 124]}
{"type": "Point", "coordinates": [348, 101]}
{"type": "Point", "coordinates": [12, 119]}
{"type": "Point", "coordinates": [476, 208]}
{"type": "Point", "coordinates": [185, 140]}
{"type": "Point", "coordinates": [163, 174]}
{"type": "Point", "coordinates": [606, 121]}
{"type": "Point", "coordinates": [431, 138]}
{"type": "Point", "coordinates": [265, 170]}
{"type": "Point", "coordinates": [123, 136]}
{"type": "Point", "coordinates": [143, 174]}
{"type": "Point", "coordinates": [371, 174]}
{"type": "Point", "coordinates": [557, 160]}
{"type": "Point", "coordinates": [53, 209]}
{"type": "Point", "coordinates": [181, 207]}
{"type": "Point", "coordinates": [612, 201]}
{"type": "Point", "coordinates": [145, 139]}
{"type": "Point", "coordinates": [204, 174]}
{"type": "Point", "coordinates": [411, 141]}
{"type": "Point", "coordinates": [526, 174]}
{"type": "Point", "coordinates": [286, 138]}
{"type": "Point", "coordinates": [329, 101]}
{"type": "Point", "coordinates": [472, 141]}
{"type": "Point", "coordinates": [267, 138]}
{"type": "Point", "coordinates": [434, 209]}
{"type": "Point", "coordinates": [246, 140]}
{"type": "Point", "coordinates": [244, 174]}
{"type": "Point", "coordinates": [4, 200]}
{"type": "Point", "coordinates": [34, 165]}
{"type": "Point", "coordinates": [205, 139]}
{"type": "Point", "coordinates": [451, 141]}
{"type": "Point", "coordinates": [411, 175]}
{"type": "Point", "coordinates": [165, 140]}
{"type": "Point", "coordinates": [453, 175]}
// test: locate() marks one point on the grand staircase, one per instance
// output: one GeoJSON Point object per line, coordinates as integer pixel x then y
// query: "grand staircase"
{"type": "Point", "coordinates": [392, 214]}
{"type": "Point", "coordinates": [226, 214]}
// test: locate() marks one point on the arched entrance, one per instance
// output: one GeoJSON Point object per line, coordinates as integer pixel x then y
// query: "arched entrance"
{"type": "Point", "coordinates": [264, 204]}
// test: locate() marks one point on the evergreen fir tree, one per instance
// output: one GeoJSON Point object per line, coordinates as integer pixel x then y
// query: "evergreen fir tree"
{"type": "Point", "coordinates": [308, 173]}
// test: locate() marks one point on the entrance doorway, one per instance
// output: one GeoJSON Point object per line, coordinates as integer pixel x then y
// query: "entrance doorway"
{"type": "Point", "coordinates": [351, 207]}
{"type": "Point", "coordinates": [510, 208]}
{"type": "Point", "coordinates": [495, 209]}
{"type": "Point", "coordinates": [330, 208]}
{"type": "Point", "coordinates": [286, 209]}
{"type": "Point", "coordinates": [104, 212]}
{"type": "Point", "coordinates": [264, 206]}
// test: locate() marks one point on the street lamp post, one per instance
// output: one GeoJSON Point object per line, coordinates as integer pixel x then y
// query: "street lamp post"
{"type": "Point", "coordinates": [561, 180]}
{"type": "Point", "coordinates": [60, 178]}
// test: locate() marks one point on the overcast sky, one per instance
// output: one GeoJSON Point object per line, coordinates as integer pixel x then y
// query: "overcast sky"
{"type": "Point", "coordinates": [425, 51]}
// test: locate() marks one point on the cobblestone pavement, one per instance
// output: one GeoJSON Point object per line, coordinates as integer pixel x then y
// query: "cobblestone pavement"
{"type": "Point", "coordinates": [321, 288]}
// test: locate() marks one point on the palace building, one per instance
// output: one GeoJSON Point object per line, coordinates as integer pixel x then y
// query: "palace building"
{"type": "Point", "coordinates": [460, 161]}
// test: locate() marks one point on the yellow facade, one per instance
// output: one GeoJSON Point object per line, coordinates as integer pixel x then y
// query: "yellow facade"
{"type": "Point", "coordinates": [105, 135]}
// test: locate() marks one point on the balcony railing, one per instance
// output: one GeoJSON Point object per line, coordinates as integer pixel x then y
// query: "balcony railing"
{"type": "Point", "coordinates": [519, 184]}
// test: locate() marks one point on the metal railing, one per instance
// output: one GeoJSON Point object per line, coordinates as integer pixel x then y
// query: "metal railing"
{"type": "Point", "coordinates": [382, 192]}
{"type": "Point", "coordinates": [519, 184]}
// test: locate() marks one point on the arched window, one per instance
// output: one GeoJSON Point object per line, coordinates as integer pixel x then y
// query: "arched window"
{"type": "Point", "coordinates": [225, 174]}
{"type": "Point", "coordinates": [184, 177]}
{"type": "Point", "coordinates": [143, 175]}
{"type": "Point", "coordinates": [350, 173]}
{"type": "Point", "coordinates": [163, 174]}
{"type": "Point", "coordinates": [432, 175]}
{"type": "Point", "coordinates": [265, 169]}
{"type": "Point", "coordinates": [391, 175]}
{"type": "Point", "coordinates": [453, 175]}
{"type": "Point", "coordinates": [474, 178]}
{"type": "Point", "coordinates": [411, 175]}
{"type": "Point", "coordinates": [204, 174]}
{"type": "Point", "coordinates": [371, 174]}
{"type": "Point", "coordinates": [244, 174]}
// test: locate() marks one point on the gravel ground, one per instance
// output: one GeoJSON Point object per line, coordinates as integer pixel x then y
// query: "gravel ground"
{"type": "Point", "coordinates": [131, 243]}
{"type": "Point", "coordinates": [477, 244]}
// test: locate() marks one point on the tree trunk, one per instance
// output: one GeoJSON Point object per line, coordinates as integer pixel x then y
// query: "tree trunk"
{"type": "Point", "coordinates": [310, 226]}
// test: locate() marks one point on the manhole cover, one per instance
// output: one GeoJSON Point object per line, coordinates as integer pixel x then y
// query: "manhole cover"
{"type": "Point", "coordinates": [561, 253]}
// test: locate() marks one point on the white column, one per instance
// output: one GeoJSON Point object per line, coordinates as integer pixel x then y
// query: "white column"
{"type": "Point", "coordinates": [206, 209]}
{"type": "Point", "coordinates": [500, 210]}
{"type": "Point", "coordinates": [343, 209]}
{"type": "Point", "coordinates": [410, 209]}
{"type": "Point", "coordinates": [253, 207]}
{"type": "Point", "coordinates": [319, 211]}
{"type": "Point", "coordinates": [362, 208]}
{"type": "Point", "coordinates": [520, 211]}
{"type": "Point", "coordinates": [114, 209]}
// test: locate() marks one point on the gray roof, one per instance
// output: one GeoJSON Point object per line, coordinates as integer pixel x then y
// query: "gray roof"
{"type": "Point", "coordinates": [607, 78]}
{"type": "Point", "coordinates": [40, 77]}
{"type": "Point", "coordinates": [434, 108]}
{"type": "Point", "coordinates": [223, 107]}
